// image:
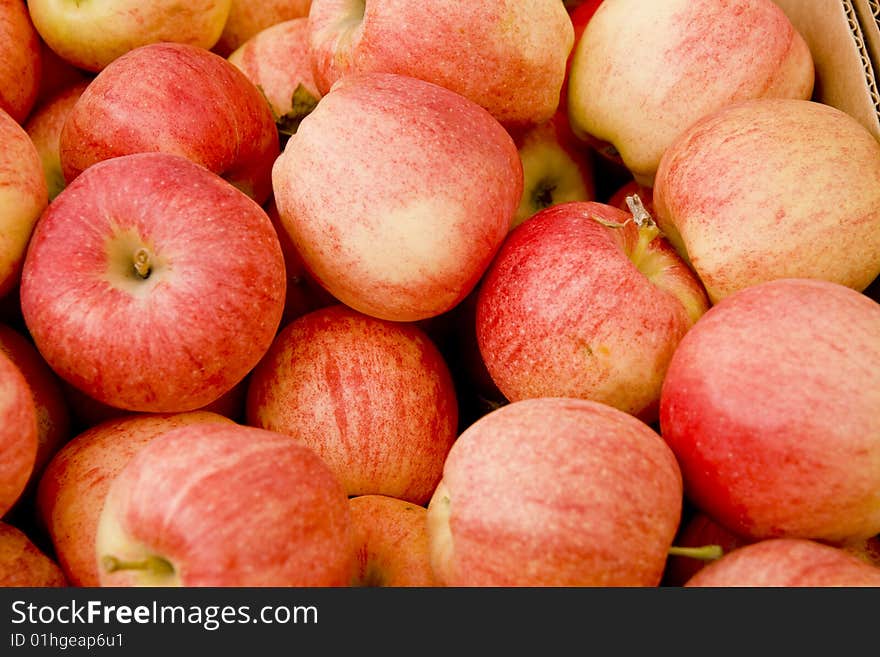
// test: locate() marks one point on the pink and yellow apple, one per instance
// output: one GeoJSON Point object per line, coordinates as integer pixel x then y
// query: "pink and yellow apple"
{"type": "Point", "coordinates": [21, 64]}
{"type": "Point", "coordinates": [374, 398]}
{"type": "Point", "coordinates": [23, 564]}
{"type": "Point", "coordinates": [179, 99]}
{"type": "Point", "coordinates": [771, 404]}
{"type": "Point", "coordinates": [218, 504]}
{"type": "Point", "coordinates": [18, 433]}
{"type": "Point", "coordinates": [391, 219]}
{"type": "Point", "coordinates": [247, 18]}
{"type": "Point", "coordinates": [152, 284]}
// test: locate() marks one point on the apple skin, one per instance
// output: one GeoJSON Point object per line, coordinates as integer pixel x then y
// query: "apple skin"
{"type": "Point", "coordinates": [391, 542]}
{"type": "Point", "coordinates": [642, 73]}
{"type": "Point", "coordinates": [374, 398]}
{"type": "Point", "coordinates": [555, 492]}
{"type": "Point", "coordinates": [787, 562]}
{"type": "Point", "coordinates": [23, 564]}
{"type": "Point", "coordinates": [18, 433]}
{"type": "Point", "coordinates": [247, 18]}
{"type": "Point", "coordinates": [509, 57]}
{"type": "Point", "coordinates": [575, 305]}
{"type": "Point", "coordinates": [91, 35]}
{"type": "Point", "coordinates": [765, 230]}
{"type": "Point", "coordinates": [180, 99]}
{"type": "Point", "coordinates": [439, 208]}
{"type": "Point", "coordinates": [44, 128]}
{"type": "Point", "coordinates": [195, 325]}
{"type": "Point", "coordinates": [21, 65]}
{"type": "Point", "coordinates": [23, 197]}
{"type": "Point", "coordinates": [227, 505]}
{"type": "Point", "coordinates": [72, 488]}
{"type": "Point", "coordinates": [771, 404]}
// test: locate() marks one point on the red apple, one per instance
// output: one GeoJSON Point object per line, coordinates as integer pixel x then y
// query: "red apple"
{"type": "Point", "coordinates": [23, 564]}
{"type": "Point", "coordinates": [699, 530]}
{"type": "Point", "coordinates": [507, 57]}
{"type": "Point", "coordinates": [21, 65]}
{"type": "Point", "coordinates": [71, 491]}
{"type": "Point", "coordinates": [57, 74]}
{"type": "Point", "coordinates": [373, 398]}
{"type": "Point", "coordinates": [787, 562]}
{"type": "Point", "coordinates": [555, 492]}
{"type": "Point", "coordinates": [247, 18]}
{"type": "Point", "coordinates": [392, 220]}
{"type": "Point", "coordinates": [152, 284]}
{"type": "Point", "coordinates": [771, 404]}
{"type": "Point", "coordinates": [794, 165]}
{"type": "Point", "coordinates": [216, 504]}
{"type": "Point", "coordinates": [391, 542]}
{"type": "Point", "coordinates": [583, 302]}
{"type": "Point", "coordinates": [23, 196]}
{"type": "Point", "coordinates": [18, 433]}
{"type": "Point", "coordinates": [178, 99]}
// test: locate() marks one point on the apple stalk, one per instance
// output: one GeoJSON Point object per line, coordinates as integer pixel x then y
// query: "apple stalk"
{"type": "Point", "coordinates": [155, 565]}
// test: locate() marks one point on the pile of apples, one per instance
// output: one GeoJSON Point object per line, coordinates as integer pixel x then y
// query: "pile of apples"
{"type": "Point", "coordinates": [395, 293]}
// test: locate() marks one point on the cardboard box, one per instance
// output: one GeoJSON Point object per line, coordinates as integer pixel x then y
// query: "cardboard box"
{"type": "Point", "coordinates": [844, 39]}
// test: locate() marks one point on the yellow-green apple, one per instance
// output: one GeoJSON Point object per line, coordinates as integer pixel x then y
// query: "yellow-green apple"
{"type": "Point", "coordinates": [509, 57]}
{"type": "Point", "coordinates": [393, 220]}
{"type": "Point", "coordinates": [557, 167]}
{"type": "Point", "coordinates": [23, 197]}
{"type": "Point", "coordinates": [23, 564]}
{"type": "Point", "coordinates": [44, 128]}
{"type": "Point", "coordinates": [374, 398]}
{"type": "Point", "coordinates": [391, 542]}
{"type": "Point", "coordinates": [53, 415]}
{"type": "Point", "coordinates": [91, 35]}
{"type": "Point", "coordinates": [723, 195]}
{"type": "Point", "coordinates": [18, 433]}
{"type": "Point", "coordinates": [72, 488]}
{"type": "Point", "coordinates": [771, 403]}
{"type": "Point", "coordinates": [642, 73]}
{"type": "Point", "coordinates": [216, 504]}
{"type": "Point", "coordinates": [278, 61]}
{"type": "Point", "coordinates": [21, 64]}
{"type": "Point", "coordinates": [247, 18]}
{"type": "Point", "coordinates": [179, 99]}
{"type": "Point", "coordinates": [152, 284]}
{"type": "Point", "coordinates": [555, 492]}
{"type": "Point", "coordinates": [586, 300]}
{"type": "Point", "coordinates": [787, 562]}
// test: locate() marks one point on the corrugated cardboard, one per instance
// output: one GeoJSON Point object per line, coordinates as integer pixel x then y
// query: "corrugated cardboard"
{"type": "Point", "coordinates": [844, 39]}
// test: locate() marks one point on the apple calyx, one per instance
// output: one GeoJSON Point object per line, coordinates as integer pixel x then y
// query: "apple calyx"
{"type": "Point", "coordinates": [155, 565]}
{"type": "Point", "coordinates": [302, 102]}
{"type": "Point", "coordinates": [709, 552]}
{"type": "Point", "coordinates": [142, 263]}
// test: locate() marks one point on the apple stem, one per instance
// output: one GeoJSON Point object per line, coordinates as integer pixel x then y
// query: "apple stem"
{"type": "Point", "coordinates": [142, 264]}
{"type": "Point", "coordinates": [703, 552]}
{"type": "Point", "coordinates": [157, 565]}
{"type": "Point", "coordinates": [648, 228]}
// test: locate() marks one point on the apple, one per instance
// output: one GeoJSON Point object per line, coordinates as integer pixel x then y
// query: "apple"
{"type": "Point", "coordinates": [391, 219]}
{"type": "Point", "coordinates": [53, 415]}
{"type": "Point", "coordinates": [278, 61]}
{"type": "Point", "coordinates": [57, 74]}
{"type": "Point", "coordinates": [507, 57]}
{"type": "Point", "coordinates": [556, 167]}
{"type": "Point", "coordinates": [44, 128]}
{"type": "Point", "coordinates": [391, 542]}
{"type": "Point", "coordinates": [247, 18]}
{"type": "Point", "coordinates": [152, 284]}
{"type": "Point", "coordinates": [179, 99]}
{"type": "Point", "coordinates": [585, 300]}
{"type": "Point", "coordinates": [91, 35]}
{"type": "Point", "coordinates": [555, 492]}
{"type": "Point", "coordinates": [771, 403]}
{"type": "Point", "coordinates": [763, 189]}
{"type": "Point", "coordinates": [72, 488]}
{"type": "Point", "coordinates": [642, 73]}
{"type": "Point", "coordinates": [21, 65]}
{"type": "Point", "coordinates": [18, 433]}
{"type": "Point", "coordinates": [23, 564]}
{"type": "Point", "coordinates": [633, 188]}
{"type": "Point", "coordinates": [374, 398]}
{"type": "Point", "coordinates": [23, 197]}
{"type": "Point", "coordinates": [787, 562]}
{"type": "Point", "coordinates": [217, 504]}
